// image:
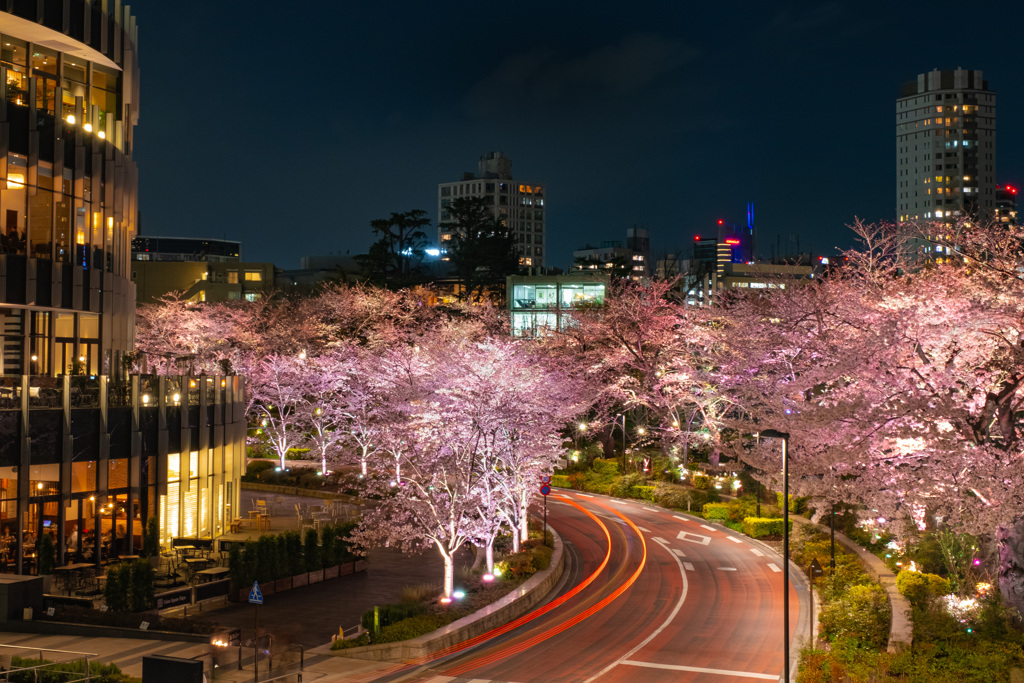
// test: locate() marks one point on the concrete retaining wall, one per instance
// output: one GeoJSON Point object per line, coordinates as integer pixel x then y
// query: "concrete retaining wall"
{"type": "Point", "coordinates": [509, 608]}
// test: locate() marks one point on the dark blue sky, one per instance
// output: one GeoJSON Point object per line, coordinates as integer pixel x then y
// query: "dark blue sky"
{"type": "Point", "coordinates": [290, 126]}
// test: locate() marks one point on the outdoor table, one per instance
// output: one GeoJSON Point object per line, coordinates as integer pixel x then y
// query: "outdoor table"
{"type": "Point", "coordinates": [236, 525]}
{"type": "Point", "coordinates": [213, 573]}
{"type": "Point", "coordinates": [127, 558]}
{"type": "Point", "coordinates": [263, 522]}
{"type": "Point", "coordinates": [194, 563]}
{"type": "Point", "coordinates": [71, 574]}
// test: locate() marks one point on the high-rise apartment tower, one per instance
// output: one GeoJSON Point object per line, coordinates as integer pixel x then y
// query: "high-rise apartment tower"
{"type": "Point", "coordinates": [945, 147]}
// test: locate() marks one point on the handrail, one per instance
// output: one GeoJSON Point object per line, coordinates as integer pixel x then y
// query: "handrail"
{"type": "Point", "coordinates": [46, 649]}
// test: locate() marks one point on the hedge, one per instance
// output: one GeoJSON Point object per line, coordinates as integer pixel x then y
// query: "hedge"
{"type": "Point", "coordinates": [719, 511]}
{"type": "Point", "coordinates": [276, 557]}
{"type": "Point", "coordinates": [919, 588]}
{"type": "Point", "coordinates": [761, 527]}
{"type": "Point", "coordinates": [392, 614]}
{"type": "Point", "coordinates": [561, 481]}
{"type": "Point", "coordinates": [129, 587]}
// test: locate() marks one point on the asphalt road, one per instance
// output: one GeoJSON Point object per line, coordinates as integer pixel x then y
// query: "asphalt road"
{"type": "Point", "coordinates": [647, 595]}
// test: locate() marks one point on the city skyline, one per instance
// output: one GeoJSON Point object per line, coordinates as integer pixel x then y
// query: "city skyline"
{"type": "Point", "coordinates": [666, 117]}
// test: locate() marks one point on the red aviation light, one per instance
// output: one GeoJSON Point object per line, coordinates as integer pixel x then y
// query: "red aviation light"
{"type": "Point", "coordinates": [720, 221]}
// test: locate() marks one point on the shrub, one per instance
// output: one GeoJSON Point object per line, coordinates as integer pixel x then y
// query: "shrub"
{"type": "Point", "coordinates": [412, 627]}
{"type": "Point", "coordinates": [392, 614]}
{"type": "Point", "coordinates": [626, 486]}
{"type": "Point", "coordinates": [797, 504]}
{"type": "Point", "coordinates": [741, 508]}
{"type": "Point", "coordinates": [151, 541]}
{"type": "Point", "coordinates": [47, 554]}
{"type": "Point", "coordinates": [645, 492]}
{"type": "Point", "coordinates": [57, 672]}
{"type": "Point", "coordinates": [919, 588]}
{"type": "Point", "coordinates": [719, 511]}
{"type": "Point", "coordinates": [862, 615]}
{"type": "Point", "coordinates": [764, 527]}
{"type": "Point", "coordinates": [606, 466]}
{"type": "Point", "coordinates": [293, 542]}
{"type": "Point", "coordinates": [311, 551]}
{"type": "Point", "coordinates": [255, 470]}
{"type": "Point", "coordinates": [130, 587]}
{"type": "Point", "coordinates": [701, 482]}
{"type": "Point", "coordinates": [561, 481]}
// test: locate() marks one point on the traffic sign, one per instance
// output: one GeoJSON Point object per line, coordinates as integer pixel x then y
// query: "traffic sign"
{"type": "Point", "coordinates": [545, 490]}
{"type": "Point", "coordinates": [256, 595]}
{"type": "Point", "coordinates": [816, 569]}
{"type": "Point", "coordinates": [545, 479]}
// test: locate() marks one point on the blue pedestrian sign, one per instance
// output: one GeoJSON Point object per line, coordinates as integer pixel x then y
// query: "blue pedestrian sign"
{"type": "Point", "coordinates": [255, 595]}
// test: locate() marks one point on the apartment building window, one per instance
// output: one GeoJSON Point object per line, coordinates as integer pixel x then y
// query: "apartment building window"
{"type": "Point", "coordinates": [253, 276]}
{"type": "Point", "coordinates": [232, 277]}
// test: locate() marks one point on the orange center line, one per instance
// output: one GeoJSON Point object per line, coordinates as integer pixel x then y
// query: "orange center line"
{"type": "Point", "coordinates": [540, 611]}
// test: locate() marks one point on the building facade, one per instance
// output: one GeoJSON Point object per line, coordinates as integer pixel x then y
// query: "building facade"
{"type": "Point", "coordinates": [632, 259]}
{"type": "Point", "coordinates": [542, 304]}
{"type": "Point", "coordinates": [1006, 205]}
{"type": "Point", "coordinates": [946, 147]}
{"type": "Point", "coordinates": [199, 269]}
{"type": "Point", "coordinates": [69, 188]}
{"type": "Point", "coordinates": [521, 205]}
{"type": "Point", "coordinates": [88, 453]}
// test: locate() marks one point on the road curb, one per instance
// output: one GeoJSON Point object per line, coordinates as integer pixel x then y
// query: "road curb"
{"type": "Point", "coordinates": [509, 608]}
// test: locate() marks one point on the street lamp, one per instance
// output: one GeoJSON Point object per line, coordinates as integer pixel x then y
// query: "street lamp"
{"type": "Point", "coordinates": [774, 434]}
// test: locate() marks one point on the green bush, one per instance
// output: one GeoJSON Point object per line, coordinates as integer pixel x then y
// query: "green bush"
{"type": "Point", "coordinates": [764, 527]}
{"type": "Point", "coordinates": [130, 587]}
{"type": "Point", "coordinates": [57, 672]}
{"type": "Point", "coordinates": [627, 486]}
{"type": "Point", "coordinates": [741, 508]}
{"type": "Point", "coordinates": [255, 470]}
{"type": "Point", "coordinates": [718, 511]}
{"type": "Point", "coordinates": [296, 562]}
{"type": "Point", "coordinates": [47, 554]}
{"type": "Point", "coordinates": [606, 466]}
{"type": "Point", "coordinates": [861, 615]}
{"type": "Point", "coordinates": [151, 541]}
{"type": "Point", "coordinates": [311, 551]}
{"type": "Point", "coordinates": [701, 482]}
{"type": "Point", "coordinates": [919, 588]}
{"type": "Point", "coordinates": [412, 627]}
{"type": "Point", "coordinates": [645, 492]}
{"type": "Point", "coordinates": [797, 504]}
{"type": "Point", "coordinates": [561, 481]}
{"type": "Point", "coordinates": [392, 614]}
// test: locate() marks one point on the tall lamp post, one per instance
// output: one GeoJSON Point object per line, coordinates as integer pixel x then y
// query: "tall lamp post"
{"type": "Point", "coordinates": [774, 434]}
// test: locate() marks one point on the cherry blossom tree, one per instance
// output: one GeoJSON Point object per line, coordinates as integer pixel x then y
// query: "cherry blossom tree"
{"type": "Point", "coordinates": [279, 386]}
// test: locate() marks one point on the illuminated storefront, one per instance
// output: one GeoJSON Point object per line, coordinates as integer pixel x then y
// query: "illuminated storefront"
{"type": "Point", "coordinates": [540, 304]}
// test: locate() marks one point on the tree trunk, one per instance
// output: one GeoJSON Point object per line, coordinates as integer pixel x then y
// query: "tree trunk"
{"type": "Point", "coordinates": [1011, 565]}
{"type": "Point", "coordinates": [449, 573]}
{"type": "Point", "coordinates": [490, 555]}
{"type": "Point", "coordinates": [478, 557]}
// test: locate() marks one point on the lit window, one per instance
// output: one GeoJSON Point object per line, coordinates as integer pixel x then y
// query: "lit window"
{"type": "Point", "coordinates": [232, 277]}
{"type": "Point", "coordinates": [253, 276]}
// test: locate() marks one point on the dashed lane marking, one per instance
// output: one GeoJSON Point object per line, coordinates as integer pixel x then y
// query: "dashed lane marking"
{"type": "Point", "coordinates": [651, 509]}
{"type": "Point", "coordinates": [678, 552]}
{"type": "Point", "coordinates": [657, 539]}
{"type": "Point", "coordinates": [727, 569]}
{"type": "Point", "coordinates": [757, 552]}
{"type": "Point", "coordinates": [734, 539]}
{"type": "Point", "coordinates": [584, 495]}
{"type": "Point", "coordinates": [646, 531]}
{"type": "Point", "coordinates": [688, 566]}
{"type": "Point", "coordinates": [774, 567]}
{"type": "Point", "coordinates": [683, 519]}
{"type": "Point", "coordinates": [705, 526]}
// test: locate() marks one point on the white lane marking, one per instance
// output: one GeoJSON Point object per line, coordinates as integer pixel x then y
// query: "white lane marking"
{"type": "Point", "coordinates": [757, 552]}
{"type": "Point", "coordinates": [643, 530]}
{"type": "Point", "coordinates": [678, 552]}
{"type": "Point", "coordinates": [584, 495]}
{"type": "Point", "coordinates": [689, 567]}
{"type": "Point", "coordinates": [619, 502]}
{"type": "Point", "coordinates": [727, 569]}
{"type": "Point", "coordinates": [774, 567]}
{"type": "Point", "coordinates": [651, 509]}
{"type": "Point", "coordinates": [658, 539]}
{"type": "Point", "coordinates": [734, 539]}
{"type": "Point", "coordinates": [705, 526]}
{"type": "Point", "coordinates": [693, 538]}
{"type": "Point", "coordinates": [657, 631]}
{"type": "Point", "coordinates": [684, 519]}
{"type": "Point", "coordinates": [697, 669]}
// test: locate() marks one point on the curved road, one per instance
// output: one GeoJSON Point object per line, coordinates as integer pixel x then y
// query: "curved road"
{"type": "Point", "coordinates": [647, 594]}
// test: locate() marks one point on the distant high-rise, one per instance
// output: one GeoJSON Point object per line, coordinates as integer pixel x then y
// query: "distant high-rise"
{"type": "Point", "coordinates": [945, 147]}
{"type": "Point", "coordinates": [521, 205]}
{"type": "Point", "coordinates": [1006, 205]}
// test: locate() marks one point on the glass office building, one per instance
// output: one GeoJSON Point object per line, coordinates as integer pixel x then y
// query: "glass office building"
{"type": "Point", "coordinates": [87, 452]}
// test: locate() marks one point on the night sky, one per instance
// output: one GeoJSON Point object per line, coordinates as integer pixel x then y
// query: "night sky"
{"type": "Point", "coordinates": [289, 126]}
